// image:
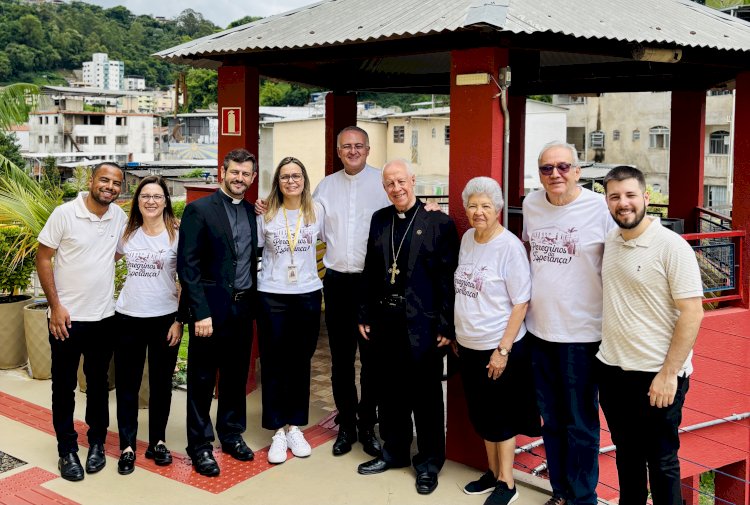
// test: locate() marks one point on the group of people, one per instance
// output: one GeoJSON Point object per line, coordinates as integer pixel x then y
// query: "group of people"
{"type": "Point", "coordinates": [604, 304]}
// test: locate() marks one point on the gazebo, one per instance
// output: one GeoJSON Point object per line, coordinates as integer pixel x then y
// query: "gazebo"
{"type": "Point", "coordinates": [489, 55]}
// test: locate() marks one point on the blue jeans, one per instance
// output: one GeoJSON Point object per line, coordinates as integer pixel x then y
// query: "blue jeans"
{"type": "Point", "coordinates": [566, 392]}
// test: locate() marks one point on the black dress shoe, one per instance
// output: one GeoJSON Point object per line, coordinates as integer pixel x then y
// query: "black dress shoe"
{"type": "Point", "coordinates": [238, 450]}
{"type": "Point", "coordinates": [344, 441]}
{"type": "Point", "coordinates": [370, 442]}
{"type": "Point", "coordinates": [160, 454]}
{"type": "Point", "coordinates": [205, 464]}
{"type": "Point", "coordinates": [426, 482]}
{"type": "Point", "coordinates": [374, 466]}
{"type": "Point", "coordinates": [95, 460]}
{"type": "Point", "coordinates": [70, 467]}
{"type": "Point", "coordinates": [126, 465]}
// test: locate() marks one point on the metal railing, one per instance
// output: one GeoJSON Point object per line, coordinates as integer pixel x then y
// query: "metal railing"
{"type": "Point", "coordinates": [719, 261]}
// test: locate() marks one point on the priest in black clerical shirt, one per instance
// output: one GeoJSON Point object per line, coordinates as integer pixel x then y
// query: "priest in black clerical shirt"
{"type": "Point", "coordinates": [407, 312]}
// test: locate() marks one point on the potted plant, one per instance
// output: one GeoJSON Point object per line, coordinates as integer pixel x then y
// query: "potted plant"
{"type": "Point", "coordinates": [15, 277]}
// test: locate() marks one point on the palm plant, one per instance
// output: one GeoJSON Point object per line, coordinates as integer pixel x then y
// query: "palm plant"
{"type": "Point", "coordinates": [23, 201]}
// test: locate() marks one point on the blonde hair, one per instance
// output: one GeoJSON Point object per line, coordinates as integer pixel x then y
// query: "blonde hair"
{"type": "Point", "coordinates": [276, 197]}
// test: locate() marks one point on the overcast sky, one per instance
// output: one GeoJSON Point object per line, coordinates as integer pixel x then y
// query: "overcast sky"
{"type": "Point", "coordinates": [220, 12]}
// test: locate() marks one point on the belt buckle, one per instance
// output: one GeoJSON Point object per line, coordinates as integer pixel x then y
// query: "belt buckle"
{"type": "Point", "coordinates": [237, 296]}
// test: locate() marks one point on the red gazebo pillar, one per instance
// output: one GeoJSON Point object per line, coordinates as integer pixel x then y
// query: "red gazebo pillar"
{"type": "Point", "coordinates": [740, 200]}
{"type": "Point", "coordinates": [687, 139]}
{"type": "Point", "coordinates": [341, 111]}
{"type": "Point", "coordinates": [476, 138]}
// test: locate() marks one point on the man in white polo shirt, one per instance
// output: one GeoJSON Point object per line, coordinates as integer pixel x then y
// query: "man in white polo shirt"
{"type": "Point", "coordinates": [82, 236]}
{"type": "Point", "coordinates": [651, 316]}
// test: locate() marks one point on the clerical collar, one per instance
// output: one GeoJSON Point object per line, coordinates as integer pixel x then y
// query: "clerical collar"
{"type": "Point", "coordinates": [409, 212]}
{"type": "Point", "coordinates": [234, 201]}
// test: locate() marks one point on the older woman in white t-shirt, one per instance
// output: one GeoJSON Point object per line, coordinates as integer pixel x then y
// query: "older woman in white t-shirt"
{"type": "Point", "coordinates": [289, 291]}
{"type": "Point", "coordinates": [146, 313]}
{"type": "Point", "coordinates": [493, 287]}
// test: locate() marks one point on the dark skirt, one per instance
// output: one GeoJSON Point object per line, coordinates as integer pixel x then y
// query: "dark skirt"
{"type": "Point", "coordinates": [505, 407]}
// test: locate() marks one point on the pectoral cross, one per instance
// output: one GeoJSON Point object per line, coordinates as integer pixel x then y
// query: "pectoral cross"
{"type": "Point", "coordinates": [394, 271]}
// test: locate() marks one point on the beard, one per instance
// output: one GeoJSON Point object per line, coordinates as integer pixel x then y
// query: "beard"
{"type": "Point", "coordinates": [228, 187]}
{"type": "Point", "coordinates": [632, 224]}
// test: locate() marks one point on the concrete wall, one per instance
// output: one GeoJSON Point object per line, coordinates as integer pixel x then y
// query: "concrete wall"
{"type": "Point", "coordinates": [544, 123]}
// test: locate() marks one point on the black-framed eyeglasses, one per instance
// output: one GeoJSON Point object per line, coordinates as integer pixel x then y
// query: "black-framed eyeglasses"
{"type": "Point", "coordinates": [562, 168]}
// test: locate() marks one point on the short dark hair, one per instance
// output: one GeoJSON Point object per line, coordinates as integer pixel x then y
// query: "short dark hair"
{"type": "Point", "coordinates": [240, 156]}
{"type": "Point", "coordinates": [104, 164]}
{"type": "Point", "coordinates": [622, 172]}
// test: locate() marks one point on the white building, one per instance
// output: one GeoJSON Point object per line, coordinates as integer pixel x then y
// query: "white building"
{"type": "Point", "coordinates": [104, 73]}
{"type": "Point", "coordinates": [134, 83]}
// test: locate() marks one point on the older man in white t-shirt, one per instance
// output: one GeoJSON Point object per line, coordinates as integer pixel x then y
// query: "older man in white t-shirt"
{"type": "Point", "coordinates": [652, 313]}
{"type": "Point", "coordinates": [565, 226]}
{"type": "Point", "coordinates": [82, 237]}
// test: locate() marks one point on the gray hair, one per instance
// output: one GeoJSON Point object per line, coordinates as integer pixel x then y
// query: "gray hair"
{"type": "Point", "coordinates": [484, 186]}
{"type": "Point", "coordinates": [559, 143]}
{"type": "Point", "coordinates": [402, 162]}
{"type": "Point", "coordinates": [356, 129]}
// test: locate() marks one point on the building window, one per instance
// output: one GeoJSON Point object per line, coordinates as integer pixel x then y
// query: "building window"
{"type": "Point", "coordinates": [597, 140]}
{"type": "Point", "coordinates": [658, 137]}
{"type": "Point", "coordinates": [46, 119]}
{"type": "Point", "coordinates": [636, 135]}
{"type": "Point", "coordinates": [41, 120]}
{"type": "Point", "coordinates": [121, 121]}
{"type": "Point", "coordinates": [398, 134]}
{"type": "Point", "coordinates": [39, 139]}
{"type": "Point", "coordinates": [715, 197]}
{"type": "Point", "coordinates": [46, 139]}
{"type": "Point", "coordinates": [55, 139]}
{"type": "Point", "coordinates": [121, 140]}
{"type": "Point", "coordinates": [57, 119]}
{"type": "Point", "coordinates": [100, 141]}
{"type": "Point", "coordinates": [434, 133]}
{"type": "Point", "coordinates": [447, 135]}
{"type": "Point", "coordinates": [615, 134]}
{"type": "Point", "coordinates": [82, 140]}
{"type": "Point", "coordinates": [719, 142]}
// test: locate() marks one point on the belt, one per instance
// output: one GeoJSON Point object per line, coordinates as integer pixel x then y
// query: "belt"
{"type": "Point", "coordinates": [393, 301]}
{"type": "Point", "coordinates": [335, 273]}
{"type": "Point", "coordinates": [239, 294]}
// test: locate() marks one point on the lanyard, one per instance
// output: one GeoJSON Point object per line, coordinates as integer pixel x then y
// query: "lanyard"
{"type": "Point", "coordinates": [292, 240]}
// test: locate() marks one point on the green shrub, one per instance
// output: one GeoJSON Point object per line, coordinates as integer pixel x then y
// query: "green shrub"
{"type": "Point", "coordinates": [178, 207]}
{"type": "Point", "coordinates": [13, 279]}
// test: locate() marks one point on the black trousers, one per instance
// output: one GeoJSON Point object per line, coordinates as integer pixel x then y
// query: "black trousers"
{"type": "Point", "coordinates": [342, 293]}
{"type": "Point", "coordinates": [226, 351]}
{"type": "Point", "coordinates": [409, 385]}
{"type": "Point", "coordinates": [288, 327]}
{"type": "Point", "coordinates": [646, 437]}
{"type": "Point", "coordinates": [135, 335]}
{"type": "Point", "coordinates": [93, 340]}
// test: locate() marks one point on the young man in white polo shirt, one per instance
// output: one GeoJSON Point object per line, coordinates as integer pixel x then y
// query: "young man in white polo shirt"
{"type": "Point", "coordinates": [82, 236]}
{"type": "Point", "coordinates": [651, 316]}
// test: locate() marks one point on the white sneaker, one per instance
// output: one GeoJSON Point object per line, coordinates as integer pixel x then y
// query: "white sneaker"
{"type": "Point", "coordinates": [277, 451]}
{"type": "Point", "coordinates": [297, 443]}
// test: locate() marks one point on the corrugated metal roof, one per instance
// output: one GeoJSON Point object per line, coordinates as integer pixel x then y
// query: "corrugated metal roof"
{"type": "Point", "coordinates": [333, 22]}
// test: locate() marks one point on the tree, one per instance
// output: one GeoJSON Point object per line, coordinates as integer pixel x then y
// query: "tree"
{"type": "Point", "coordinates": [283, 93]}
{"type": "Point", "coordinates": [243, 21]}
{"type": "Point", "coordinates": [10, 150]}
{"type": "Point", "coordinates": [203, 87]}
{"type": "Point", "coordinates": [51, 175]}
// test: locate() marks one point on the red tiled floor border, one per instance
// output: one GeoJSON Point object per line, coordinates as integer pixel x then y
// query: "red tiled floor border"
{"type": "Point", "coordinates": [233, 472]}
{"type": "Point", "coordinates": [26, 487]}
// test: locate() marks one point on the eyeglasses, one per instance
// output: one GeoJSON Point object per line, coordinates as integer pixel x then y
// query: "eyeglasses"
{"type": "Point", "coordinates": [290, 177]}
{"type": "Point", "coordinates": [146, 198]}
{"type": "Point", "coordinates": [562, 168]}
{"type": "Point", "coordinates": [355, 147]}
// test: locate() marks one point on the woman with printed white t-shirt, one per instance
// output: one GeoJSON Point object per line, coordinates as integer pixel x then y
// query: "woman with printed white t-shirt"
{"type": "Point", "coordinates": [146, 316]}
{"type": "Point", "coordinates": [289, 291]}
{"type": "Point", "coordinates": [493, 288]}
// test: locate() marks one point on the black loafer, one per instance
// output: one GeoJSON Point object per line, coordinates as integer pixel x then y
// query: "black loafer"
{"type": "Point", "coordinates": [160, 454]}
{"type": "Point", "coordinates": [95, 460]}
{"type": "Point", "coordinates": [374, 466]}
{"type": "Point", "coordinates": [426, 482]}
{"type": "Point", "coordinates": [205, 464]}
{"type": "Point", "coordinates": [344, 441]}
{"type": "Point", "coordinates": [70, 467]}
{"type": "Point", "coordinates": [370, 442]}
{"type": "Point", "coordinates": [238, 450]}
{"type": "Point", "coordinates": [126, 464]}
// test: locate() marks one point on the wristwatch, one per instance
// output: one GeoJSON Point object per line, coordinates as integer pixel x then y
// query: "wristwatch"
{"type": "Point", "coordinates": [503, 351]}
